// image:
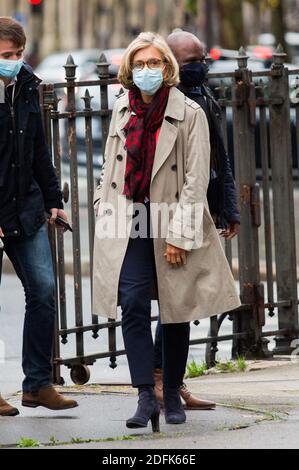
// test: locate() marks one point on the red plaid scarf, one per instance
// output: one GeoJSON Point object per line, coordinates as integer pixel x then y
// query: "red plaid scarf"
{"type": "Point", "coordinates": [141, 131]}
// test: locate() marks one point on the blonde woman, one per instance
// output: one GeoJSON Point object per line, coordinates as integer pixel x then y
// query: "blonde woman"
{"type": "Point", "coordinates": [157, 155]}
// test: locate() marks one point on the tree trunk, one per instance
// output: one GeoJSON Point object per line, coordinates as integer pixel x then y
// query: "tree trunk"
{"type": "Point", "coordinates": [278, 23]}
{"type": "Point", "coordinates": [230, 23]}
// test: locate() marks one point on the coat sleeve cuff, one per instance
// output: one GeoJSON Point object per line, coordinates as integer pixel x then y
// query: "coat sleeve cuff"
{"type": "Point", "coordinates": [232, 218]}
{"type": "Point", "coordinates": [180, 242]}
{"type": "Point", "coordinates": [186, 231]}
{"type": "Point", "coordinates": [57, 204]}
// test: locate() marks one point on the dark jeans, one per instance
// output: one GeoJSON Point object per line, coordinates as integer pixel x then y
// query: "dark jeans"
{"type": "Point", "coordinates": [32, 261]}
{"type": "Point", "coordinates": [137, 276]}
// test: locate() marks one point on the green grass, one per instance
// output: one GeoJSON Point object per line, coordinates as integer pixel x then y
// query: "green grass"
{"type": "Point", "coordinates": [78, 440]}
{"type": "Point", "coordinates": [27, 442]}
{"type": "Point", "coordinates": [53, 440]}
{"type": "Point", "coordinates": [241, 364]}
{"type": "Point", "coordinates": [225, 366]}
{"type": "Point", "coordinates": [195, 370]}
{"type": "Point", "coordinates": [232, 366]}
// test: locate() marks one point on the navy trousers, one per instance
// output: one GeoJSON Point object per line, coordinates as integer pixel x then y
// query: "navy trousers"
{"type": "Point", "coordinates": [160, 337]}
{"type": "Point", "coordinates": [137, 276]}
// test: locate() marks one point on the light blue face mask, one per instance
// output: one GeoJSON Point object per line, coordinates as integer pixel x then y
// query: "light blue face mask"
{"type": "Point", "coordinates": [10, 68]}
{"type": "Point", "coordinates": [148, 80]}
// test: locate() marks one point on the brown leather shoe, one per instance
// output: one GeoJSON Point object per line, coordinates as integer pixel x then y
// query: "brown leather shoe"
{"type": "Point", "coordinates": [194, 403]}
{"type": "Point", "coordinates": [190, 402]}
{"type": "Point", "coordinates": [6, 409]}
{"type": "Point", "coordinates": [159, 386]}
{"type": "Point", "coordinates": [49, 398]}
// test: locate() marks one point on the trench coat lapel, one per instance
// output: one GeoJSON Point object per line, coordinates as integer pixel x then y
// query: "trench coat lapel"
{"type": "Point", "coordinates": [166, 141]}
{"type": "Point", "coordinates": [121, 124]}
{"type": "Point", "coordinates": [174, 112]}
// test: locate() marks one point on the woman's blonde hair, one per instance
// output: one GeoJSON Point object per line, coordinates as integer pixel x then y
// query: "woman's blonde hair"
{"type": "Point", "coordinates": [143, 40]}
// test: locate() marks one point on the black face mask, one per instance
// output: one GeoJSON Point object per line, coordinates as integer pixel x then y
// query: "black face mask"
{"type": "Point", "coordinates": [193, 74]}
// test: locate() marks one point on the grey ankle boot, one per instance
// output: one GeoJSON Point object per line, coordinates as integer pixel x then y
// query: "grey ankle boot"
{"type": "Point", "coordinates": [148, 409]}
{"type": "Point", "coordinates": [174, 411]}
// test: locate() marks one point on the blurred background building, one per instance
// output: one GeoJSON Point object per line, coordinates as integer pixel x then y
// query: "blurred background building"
{"type": "Point", "coordinates": [61, 25]}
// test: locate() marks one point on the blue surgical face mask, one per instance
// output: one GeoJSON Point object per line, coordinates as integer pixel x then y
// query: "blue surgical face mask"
{"type": "Point", "coordinates": [148, 80]}
{"type": "Point", "coordinates": [10, 68]}
{"type": "Point", "coordinates": [193, 74]}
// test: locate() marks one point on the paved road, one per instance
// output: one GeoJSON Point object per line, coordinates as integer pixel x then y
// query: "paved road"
{"type": "Point", "coordinates": [256, 409]}
{"type": "Point", "coordinates": [11, 322]}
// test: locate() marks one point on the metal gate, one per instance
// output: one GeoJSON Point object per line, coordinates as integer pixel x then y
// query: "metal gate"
{"type": "Point", "coordinates": [261, 128]}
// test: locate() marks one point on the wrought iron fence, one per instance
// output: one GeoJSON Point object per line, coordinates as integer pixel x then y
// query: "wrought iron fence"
{"type": "Point", "coordinates": [261, 128]}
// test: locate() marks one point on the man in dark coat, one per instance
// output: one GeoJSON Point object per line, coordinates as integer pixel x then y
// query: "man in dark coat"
{"type": "Point", "coordinates": [222, 195]}
{"type": "Point", "coordinates": [28, 189]}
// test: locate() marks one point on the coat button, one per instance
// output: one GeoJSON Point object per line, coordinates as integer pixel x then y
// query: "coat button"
{"type": "Point", "coordinates": [174, 167]}
{"type": "Point", "coordinates": [13, 165]}
{"type": "Point", "coordinates": [108, 211]}
{"type": "Point", "coordinates": [114, 185]}
{"type": "Point", "coordinates": [16, 232]}
{"type": "Point", "coordinates": [119, 157]}
{"type": "Point", "coordinates": [21, 132]}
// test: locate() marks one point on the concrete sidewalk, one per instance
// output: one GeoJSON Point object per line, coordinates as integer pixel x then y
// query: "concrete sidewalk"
{"type": "Point", "coordinates": [256, 409]}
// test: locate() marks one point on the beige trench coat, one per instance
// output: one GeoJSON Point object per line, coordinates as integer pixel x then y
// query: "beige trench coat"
{"type": "Point", "coordinates": [205, 285]}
